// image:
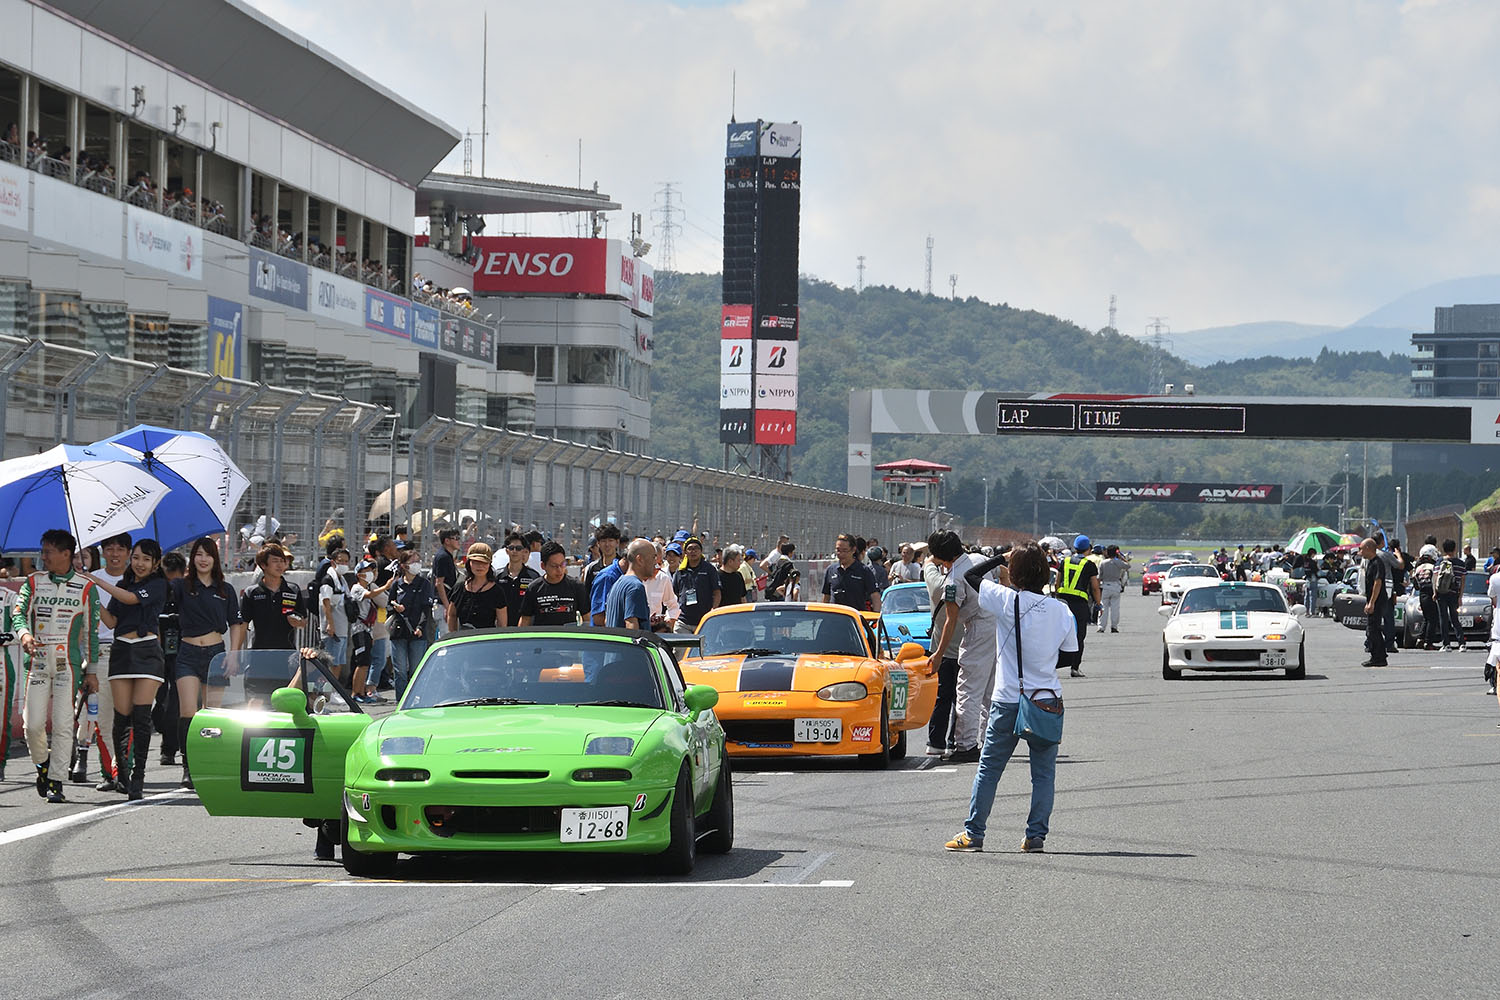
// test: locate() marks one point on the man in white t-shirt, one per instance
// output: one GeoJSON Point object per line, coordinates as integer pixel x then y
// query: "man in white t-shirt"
{"type": "Point", "coordinates": [1047, 629]}
{"type": "Point", "coordinates": [331, 600]}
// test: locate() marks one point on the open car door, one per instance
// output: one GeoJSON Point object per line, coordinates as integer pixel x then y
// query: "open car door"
{"type": "Point", "coordinates": [275, 740]}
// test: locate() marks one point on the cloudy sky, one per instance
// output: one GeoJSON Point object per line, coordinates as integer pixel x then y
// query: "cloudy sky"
{"type": "Point", "coordinates": [1210, 161]}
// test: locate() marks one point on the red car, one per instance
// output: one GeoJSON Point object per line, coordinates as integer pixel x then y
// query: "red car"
{"type": "Point", "coordinates": [1151, 578]}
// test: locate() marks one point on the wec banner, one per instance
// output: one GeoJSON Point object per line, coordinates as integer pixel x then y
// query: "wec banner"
{"type": "Point", "coordinates": [1190, 492]}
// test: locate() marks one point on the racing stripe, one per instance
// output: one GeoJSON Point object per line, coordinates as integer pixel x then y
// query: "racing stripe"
{"type": "Point", "coordinates": [1226, 619]}
{"type": "Point", "coordinates": [767, 673]}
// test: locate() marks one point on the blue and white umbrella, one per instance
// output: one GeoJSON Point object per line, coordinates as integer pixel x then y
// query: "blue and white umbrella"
{"type": "Point", "coordinates": [94, 491]}
{"type": "Point", "coordinates": [206, 485]}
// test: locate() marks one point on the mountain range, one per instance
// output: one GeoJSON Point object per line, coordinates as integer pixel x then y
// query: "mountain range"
{"type": "Point", "coordinates": [1387, 329]}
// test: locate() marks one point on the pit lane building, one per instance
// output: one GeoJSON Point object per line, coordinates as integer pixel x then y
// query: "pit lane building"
{"type": "Point", "coordinates": [187, 182]}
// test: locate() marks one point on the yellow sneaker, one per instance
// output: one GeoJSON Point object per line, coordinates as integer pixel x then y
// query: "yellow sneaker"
{"type": "Point", "coordinates": [964, 842]}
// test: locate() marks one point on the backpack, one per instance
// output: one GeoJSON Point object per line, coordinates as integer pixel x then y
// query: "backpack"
{"type": "Point", "coordinates": [1443, 579]}
{"type": "Point", "coordinates": [778, 581]}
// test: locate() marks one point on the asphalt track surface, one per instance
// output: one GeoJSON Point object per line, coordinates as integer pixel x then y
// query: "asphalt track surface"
{"type": "Point", "coordinates": [1222, 836]}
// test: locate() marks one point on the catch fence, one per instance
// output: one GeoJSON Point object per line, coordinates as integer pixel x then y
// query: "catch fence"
{"type": "Point", "coordinates": [309, 456]}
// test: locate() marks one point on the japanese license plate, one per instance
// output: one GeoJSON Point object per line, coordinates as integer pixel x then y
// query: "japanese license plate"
{"type": "Point", "coordinates": [817, 731]}
{"type": "Point", "coordinates": [1466, 621]}
{"type": "Point", "coordinates": [1273, 659]}
{"type": "Point", "coordinates": [582, 826]}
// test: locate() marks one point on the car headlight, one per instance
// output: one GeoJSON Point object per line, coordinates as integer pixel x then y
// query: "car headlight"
{"type": "Point", "coordinates": [394, 745]}
{"type": "Point", "coordinates": [844, 691]}
{"type": "Point", "coordinates": [618, 746]}
{"type": "Point", "coordinates": [1274, 636]}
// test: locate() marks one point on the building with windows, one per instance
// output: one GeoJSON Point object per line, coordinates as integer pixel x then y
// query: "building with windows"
{"type": "Point", "coordinates": [1459, 358]}
{"type": "Point", "coordinates": [167, 196]}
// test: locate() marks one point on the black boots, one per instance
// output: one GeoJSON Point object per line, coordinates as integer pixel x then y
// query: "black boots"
{"type": "Point", "coordinates": [41, 777]}
{"type": "Point", "coordinates": [79, 773]}
{"type": "Point", "coordinates": [121, 741]}
{"type": "Point", "coordinates": [140, 738]}
{"type": "Point", "coordinates": [182, 731]}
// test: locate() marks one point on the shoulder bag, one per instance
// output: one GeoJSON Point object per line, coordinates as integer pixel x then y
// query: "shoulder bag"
{"type": "Point", "coordinates": [1040, 725]}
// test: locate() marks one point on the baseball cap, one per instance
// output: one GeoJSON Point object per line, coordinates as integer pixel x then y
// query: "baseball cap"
{"type": "Point", "coordinates": [680, 535]}
{"type": "Point", "coordinates": [1081, 542]}
{"type": "Point", "coordinates": [750, 553]}
{"type": "Point", "coordinates": [692, 540]}
{"type": "Point", "coordinates": [674, 547]}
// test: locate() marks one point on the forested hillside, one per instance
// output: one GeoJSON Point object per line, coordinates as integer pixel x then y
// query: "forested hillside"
{"type": "Point", "coordinates": [885, 338]}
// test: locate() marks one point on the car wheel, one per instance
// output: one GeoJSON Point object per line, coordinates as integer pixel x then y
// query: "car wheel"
{"type": "Point", "coordinates": [720, 818]}
{"type": "Point", "coordinates": [1408, 637]}
{"type": "Point", "coordinates": [1300, 670]}
{"type": "Point", "coordinates": [682, 852]}
{"type": "Point", "coordinates": [880, 759]}
{"type": "Point", "coordinates": [1167, 672]}
{"type": "Point", "coordinates": [362, 864]}
{"type": "Point", "coordinates": [898, 749]}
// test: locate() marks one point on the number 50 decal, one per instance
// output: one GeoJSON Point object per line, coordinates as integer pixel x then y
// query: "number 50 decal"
{"type": "Point", "coordinates": [276, 760]}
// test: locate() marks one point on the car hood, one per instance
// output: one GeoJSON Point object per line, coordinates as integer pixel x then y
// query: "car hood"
{"type": "Point", "coordinates": [917, 624]}
{"type": "Point", "coordinates": [489, 731]}
{"type": "Point", "coordinates": [1222, 624]}
{"type": "Point", "coordinates": [807, 672]}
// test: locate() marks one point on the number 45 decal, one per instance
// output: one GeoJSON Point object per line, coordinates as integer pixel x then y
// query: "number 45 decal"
{"type": "Point", "coordinates": [276, 760]}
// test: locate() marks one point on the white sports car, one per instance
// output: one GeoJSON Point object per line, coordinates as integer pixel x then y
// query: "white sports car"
{"type": "Point", "coordinates": [1234, 626]}
{"type": "Point", "coordinates": [1184, 577]}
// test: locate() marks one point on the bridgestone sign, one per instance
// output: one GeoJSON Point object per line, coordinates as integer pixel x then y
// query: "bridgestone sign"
{"type": "Point", "coordinates": [1189, 492]}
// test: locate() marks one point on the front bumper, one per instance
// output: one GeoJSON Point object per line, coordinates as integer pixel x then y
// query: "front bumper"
{"type": "Point", "coordinates": [761, 724]}
{"type": "Point", "coordinates": [448, 814]}
{"type": "Point", "coordinates": [1229, 654]}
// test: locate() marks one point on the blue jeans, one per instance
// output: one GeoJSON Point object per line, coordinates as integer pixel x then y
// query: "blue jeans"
{"type": "Point", "coordinates": [999, 743]}
{"type": "Point", "coordinates": [380, 651]}
{"type": "Point", "coordinates": [405, 655]}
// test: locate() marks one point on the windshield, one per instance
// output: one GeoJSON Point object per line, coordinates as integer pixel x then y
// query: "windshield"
{"type": "Point", "coordinates": [1476, 584]}
{"type": "Point", "coordinates": [536, 670]}
{"type": "Point", "coordinates": [904, 600]}
{"type": "Point", "coordinates": [788, 631]}
{"type": "Point", "coordinates": [1232, 599]}
{"type": "Point", "coordinates": [1177, 571]}
{"type": "Point", "coordinates": [1159, 567]}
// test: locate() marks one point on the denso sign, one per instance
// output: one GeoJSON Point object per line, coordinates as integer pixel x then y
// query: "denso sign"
{"type": "Point", "coordinates": [545, 265]}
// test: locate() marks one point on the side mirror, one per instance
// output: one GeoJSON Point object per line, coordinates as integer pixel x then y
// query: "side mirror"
{"type": "Point", "coordinates": [291, 701]}
{"type": "Point", "coordinates": [699, 699]}
{"type": "Point", "coordinates": [1165, 610]}
{"type": "Point", "coordinates": [910, 651]}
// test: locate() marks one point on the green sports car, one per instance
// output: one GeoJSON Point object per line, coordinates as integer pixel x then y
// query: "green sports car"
{"type": "Point", "coordinates": [544, 739]}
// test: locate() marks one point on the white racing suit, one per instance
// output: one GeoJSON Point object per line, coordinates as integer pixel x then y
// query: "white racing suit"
{"type": "Point", "coordinates": [62, 615]}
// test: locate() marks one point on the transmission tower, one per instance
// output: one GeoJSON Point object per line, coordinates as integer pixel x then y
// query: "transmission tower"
{"type": "Point", "coordinates": [859, 284]}
{"type": "Point", "coordinates": [927, 285]}
{"type": "Point", "coordinates": [1112, 327]}
{"type": "Point", "coordinates": [668, 211]}
{"type": "Point", "coordinates": [1159, 343]}
{"type": "Point", "coordinates": [953, 287]}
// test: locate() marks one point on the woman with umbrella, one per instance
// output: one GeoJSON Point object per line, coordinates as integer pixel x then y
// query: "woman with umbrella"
{"type": "Point", "coordinates": [137, 666]}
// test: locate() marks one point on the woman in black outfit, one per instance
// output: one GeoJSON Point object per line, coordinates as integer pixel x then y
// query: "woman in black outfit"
{"type": "Point", "coordinates": [479, 601]}
{"type": "Point", "coordinates": [137, 665]}
{"type": "Point", "coordinates": [207, 608]}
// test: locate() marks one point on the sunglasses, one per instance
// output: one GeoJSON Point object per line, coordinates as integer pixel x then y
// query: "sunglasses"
{"type": "Point", "coordinates": [515, 548]}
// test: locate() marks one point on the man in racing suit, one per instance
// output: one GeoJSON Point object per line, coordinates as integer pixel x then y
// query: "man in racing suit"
{"type": "Point", "coordinates": [56, 620]}
{"type": "Point", "coordinates": [10, 655]}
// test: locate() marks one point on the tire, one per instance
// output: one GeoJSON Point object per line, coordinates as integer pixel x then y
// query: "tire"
{"type": "Point", "coordinates": [1300, 670]}
{"type": "Point", "coordinates": [363, 864]}
{"type": "Point", "coordinates": [1408, 637]}
{"type": "Point", "coordinates": [1167, 672]}
{"type": "Point", "coordinates": [898, 749]}
{"type": "Point", "coordinates": [720, 818]}
{"type": "Point", "coordinates": [682, 852]}
{"type": "Point", "coordinates": [880, 759]}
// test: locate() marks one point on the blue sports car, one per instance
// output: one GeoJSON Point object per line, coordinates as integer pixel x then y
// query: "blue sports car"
{"type": "Point", "coordinates": [907, 613]}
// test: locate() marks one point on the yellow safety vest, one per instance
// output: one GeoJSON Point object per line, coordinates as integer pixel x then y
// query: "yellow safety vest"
{"type": "Point", "coordinates": [1072, 569]}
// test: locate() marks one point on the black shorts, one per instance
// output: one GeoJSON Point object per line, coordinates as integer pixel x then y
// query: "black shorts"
{"type": "Point", "coordinates": [140, 659]}
{"type": "Point", "coordinates": [193, 661]}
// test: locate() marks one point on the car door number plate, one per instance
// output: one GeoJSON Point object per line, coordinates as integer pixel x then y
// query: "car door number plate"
{"type": "Point", "coordinates": [817, 731]}
{"type": "Point", "coordinates": [589, 826]}
{"type": "Point", "coordinates": [1273, 659]}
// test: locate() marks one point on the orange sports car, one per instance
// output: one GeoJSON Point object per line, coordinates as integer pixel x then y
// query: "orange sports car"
{"type": "Point", "coordinates": [809, 679]}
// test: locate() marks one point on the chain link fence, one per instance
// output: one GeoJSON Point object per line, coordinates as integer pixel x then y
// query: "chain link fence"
{"type": "Point", "coordinates": [314, 458]}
